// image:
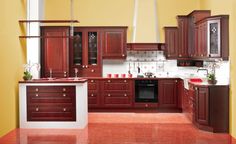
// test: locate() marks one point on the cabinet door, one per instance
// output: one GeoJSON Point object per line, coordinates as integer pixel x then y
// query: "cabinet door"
{"type": "Point", "coordinates": [167, 92]}
{"type": "Point", "coordinates": [114, 43]}
{"type": "Point", "coordinates": [93, 93]}
{"type": "Point", "coordinates": [85, 52]}
{"type": "Point", "coordinates": [201, 47]}
{"type": "Point", "coordinates": [54, 52]}
{"type": "Point", "coordinates": [202, 106]}
{"type": "Point", "coordinates": [171, 40]}
{"type": "Point", "coordinates": [183, 36]}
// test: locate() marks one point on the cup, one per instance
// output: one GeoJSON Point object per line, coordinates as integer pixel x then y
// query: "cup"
{"type": "Point", "coordinates": [116, 75]}
{"type": "Point", "coordinates": [109, 75]}
{"type": "Point", "coordinates": [122, 75]}
{"type": "Point", "coordinates": [130, 75]}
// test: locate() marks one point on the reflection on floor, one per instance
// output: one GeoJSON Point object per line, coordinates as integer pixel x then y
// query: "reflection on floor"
{"type": "Point", "coordinates": [119, 128]}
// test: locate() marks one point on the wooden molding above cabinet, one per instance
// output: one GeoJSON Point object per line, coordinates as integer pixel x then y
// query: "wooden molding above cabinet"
{"type": "Point", "coordinates": [146, 46]}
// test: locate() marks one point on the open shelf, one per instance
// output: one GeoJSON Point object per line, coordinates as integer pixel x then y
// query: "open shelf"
{"type": "Point", "coordinates": [49, 21]}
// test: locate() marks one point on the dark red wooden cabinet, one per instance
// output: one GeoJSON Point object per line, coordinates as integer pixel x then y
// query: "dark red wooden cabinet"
{"type": "Point", "coordinates": [117, 93]}
{"type": "Point", "coordinates": [167, 92]}
{"type": "Point", "coordinates": [114, 43]}
{"type": "Point", "coordinates": [54, 51]}
{"type": "Point", "coordinates": [85, 52]}
{"type": "Point", "coordinates": [51, 103]}
{"type": "Point", "coordinates": [183, 36]}
{"type": "Point", "coordinates": [171, 40]}
{"type": "Point", "coordinates": [202, 106]}
{"type": "Point", "coordinates": [94, 96]}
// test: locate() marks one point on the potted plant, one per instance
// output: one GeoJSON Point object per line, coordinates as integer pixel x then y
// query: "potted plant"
{"type": "Point", "coordinates": [27, 75]}
{"type": "Point", "coordinates": [211, 78]}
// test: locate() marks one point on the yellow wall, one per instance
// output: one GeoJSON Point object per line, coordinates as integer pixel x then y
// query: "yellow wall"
{"type": "Point", "coordinates": [12, 56]}
{"type": "Point", "coordinates": [227, 7]}
{"type": "Point", "coordinates": [120, 12]}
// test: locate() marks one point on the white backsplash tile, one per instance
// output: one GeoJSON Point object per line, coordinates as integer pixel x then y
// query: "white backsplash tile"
{"type": "Point", "coordinates": [154, 61]}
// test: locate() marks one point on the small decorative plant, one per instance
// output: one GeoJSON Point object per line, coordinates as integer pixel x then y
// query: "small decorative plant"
{"type": "Point", "coordinates": [27, 75]}
{"type": "Point", "coordinates": [211, 78]}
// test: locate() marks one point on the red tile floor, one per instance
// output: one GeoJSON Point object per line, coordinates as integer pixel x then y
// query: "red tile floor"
{"type": "Point", "coordinates": [122, 128]}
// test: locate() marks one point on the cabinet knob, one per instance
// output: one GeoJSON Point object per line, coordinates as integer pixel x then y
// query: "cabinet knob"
{"type": "Point", "coordinates": [36, 109]}
{"type": "Point", "coordinates": [64, 109]}
{"type": "Point", "coordinates": [65, 75]}
{"type": "Point", "coordinates": [123, 55]}
{"type": "Point", "coordinates": [109, 81]}
{"type": "Point", "coordinates": [201, 54]}
{"type": "Point", "coordinates": [36, 95]}
{"type": "Point", "coordinates": [83, 66]}
{"type": "Point", "coordinates": [92, 81]}
{"type": "Point", "coordinates": [125, 94]}
{"type": "Point", "coordinates": [64, 72]}
{"type": "Point", "coordinates": [64, 89]}
{"type": "Point", "coordinates": [180, 55]}
{"type": "Point", "coordinates": [64, 95]}
{"type": "Point", "coordinates": [92, 95]}
{"type": "Point", "coordinates": [86, 66]}
{"type": "Point", "coordinates": [125, 81]}
{"type": "Point", "coordinates": [109, 95]}
{"type": "Point", "coordinates": [146, 105]}
{"type": "Point", "coordinates": [36, 89]}
{"type": "Point", "coordinates": [195, 88]}
{"type": "Point", "coordinates": [176, 81]}
{"type": "Point", "coordinates": [92, 70]}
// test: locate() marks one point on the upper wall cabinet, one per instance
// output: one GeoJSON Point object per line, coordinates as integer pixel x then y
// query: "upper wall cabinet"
{"type": "Point", "coordinates": [114, 43]}
{"type": "Point", "coordinates": [54, 51]}
{"type": "Point", "coordinates": [194, 17]}
{"type": "Point", "coordinates": [171, 40]}
{"type": "Point", "coordinates": [85, 52]}
{"type": "Point", "coordinates": [213, 37]}
{"type": "Point", "coordinates": [183, 36]}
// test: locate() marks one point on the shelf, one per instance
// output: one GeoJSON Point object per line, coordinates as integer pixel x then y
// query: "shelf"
{"type": "Point", "coordinates": [49, 21]}
{"type": "Point", "coordinates": [46, 36]}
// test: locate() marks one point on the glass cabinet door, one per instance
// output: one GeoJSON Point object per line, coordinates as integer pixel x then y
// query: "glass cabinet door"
{"type": "Point", "coordinates": [92, 48]}
{"type": "Point", "coordinates": [214, 45]}
{"type": "Point", "coordinates": [77, 48]}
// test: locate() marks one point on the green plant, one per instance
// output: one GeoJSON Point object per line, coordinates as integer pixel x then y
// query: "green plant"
{"type": "Point", "coordinates": [27, 75]}
{"type": "Point", "coordinates": [211, 76]}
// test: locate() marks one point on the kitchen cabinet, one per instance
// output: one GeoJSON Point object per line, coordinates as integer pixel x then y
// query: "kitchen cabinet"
{"type": "Point", "coordinates": [114, 43]}
{"type": "Point", "coordinates": [171, 40]}
{"type": "Point", "coordinates": [117, 93]}
{"type": "Point", "coordinates": [94, 96]}
{"type": "Point", "coordinates": [54, 51]}
{"type": "Point", "coordinates": [183, 36]}
{"type": "Point", "coordinates": [212, 107]}
{"type": "Point", "coordinates": [194, 17]}
{"type": "Point", "coordinates": [167, 92]}
{"type": "Point", "coordinates": [213, 37]}
{"type": "Point", "coordinates": [51, 103]}
{"type": "Point", "coordinates": [85, 52]}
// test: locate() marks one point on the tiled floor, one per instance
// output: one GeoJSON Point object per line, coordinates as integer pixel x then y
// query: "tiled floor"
{"type": "Point", "coordinates": [122, 128]}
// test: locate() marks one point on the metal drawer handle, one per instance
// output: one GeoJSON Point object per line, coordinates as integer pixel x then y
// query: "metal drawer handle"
{"type": "Point", "coordinates": [65, 75]}
{"type": "Point", "coordinates": [64, 109]}
{"type": "Point", "coordinates": [64, 95]}
{"type": "Point", "coordinates": [109, 95]}
{"type": "Point", "coordinates": [36, 95]}
{"type": "Point", "coordinates": [92, 95]}
{"type": "Point", "coordinates": [37, 109]}
{"type": "Point", "coordinates": [36, 89]}
{"type": "Point", "coordinates": [92, 81]}
{"type": "Point", "coordinates": [125, 95]}
{"type": "Point", "coordinates": [64, 89]}
{"type": "Point", "coordinates": [125, 81]}
{"type": "Point", "coordinates": [92, 70]}
{"type": "Point", "coordinates": [109, 81]}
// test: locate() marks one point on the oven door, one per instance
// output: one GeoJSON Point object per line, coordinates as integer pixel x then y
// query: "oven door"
{"type": "Point", "coordinates": [146, 91]}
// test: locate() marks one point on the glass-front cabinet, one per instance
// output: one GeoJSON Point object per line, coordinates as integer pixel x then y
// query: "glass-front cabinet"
{"type": "Point", "coordinates": [85, 52]}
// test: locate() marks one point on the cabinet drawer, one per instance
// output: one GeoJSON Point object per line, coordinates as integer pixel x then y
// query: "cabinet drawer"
{"type": "Point", "coordinates": [51, 112]}
{"type": "Point", "coordinates": [117, 85]}
{"type": "Point", "coordinates": [40, 89]}
{"type": "Point", "coordinates": [50, 97]}
{"type": "Point", "coordinates": [93, 84]}
{"type": "Point", "coordinates": [113, 101]}
{"type": "Point", "coordinates": [115, 94]}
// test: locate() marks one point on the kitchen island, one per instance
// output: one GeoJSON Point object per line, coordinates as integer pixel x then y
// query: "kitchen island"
{"type": "Point", "coordinates": [53, 103]}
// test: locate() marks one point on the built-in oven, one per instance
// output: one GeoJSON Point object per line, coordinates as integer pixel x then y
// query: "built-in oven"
{"type": "Point", "coordinates": [146, 91]}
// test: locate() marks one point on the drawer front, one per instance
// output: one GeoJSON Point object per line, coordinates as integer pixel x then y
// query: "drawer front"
{"type": "Point", "coordinates": [51, 97]}
{"type": "Point", "coordinates": [51, 112]}
{"type": "Point", "coordinates": [117, 94]}
{"type": "Point", "coordinates": [117, 85]}
{"type": "Point", "coordinates": [93, 99]}
{"type": "Point", "coordinates": [93, 84]}
{"type": "Point", "coordinates": [39, 89]}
